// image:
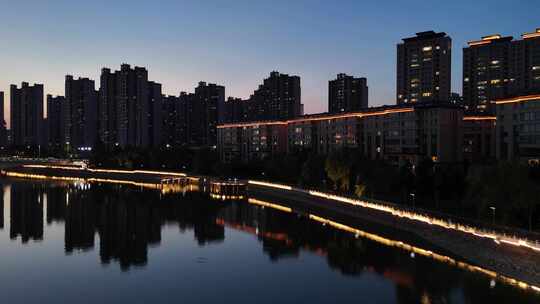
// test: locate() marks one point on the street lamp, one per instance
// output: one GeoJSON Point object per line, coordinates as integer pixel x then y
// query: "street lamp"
{"type": "Point", "coordinates": [493, 210]}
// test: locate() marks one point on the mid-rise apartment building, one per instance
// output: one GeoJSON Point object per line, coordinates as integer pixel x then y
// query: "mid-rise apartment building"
{"type": "Point", "coordinates": [518, 128]}
{"type": "Point", "coordinates": [424, 68]}
{"type": "Point", "coordinates": [394, 133]}
{"type": "Point", "coordinates": [498, 67]}
{"type": "Point", "coordinates": [347, 94]}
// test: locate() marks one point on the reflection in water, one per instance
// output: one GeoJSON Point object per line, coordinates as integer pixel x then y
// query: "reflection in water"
{"type": "Point", "coordinates": [127, 222]}
{"type": "Point", "coordinates": [26, 207]}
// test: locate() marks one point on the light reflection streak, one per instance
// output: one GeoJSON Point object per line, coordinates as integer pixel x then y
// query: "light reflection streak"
{"type": "Point", "coordinates": [407, 247]}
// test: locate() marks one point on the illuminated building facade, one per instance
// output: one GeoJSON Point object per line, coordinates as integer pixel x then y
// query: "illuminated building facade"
{"type": "Point", "coordinates": [347, 94]}
{"type": "Point", "coordinates": [27, 125]}
{"type": "Point", "coordinates": [518, 128]}
{"type": "Point", "coordinates": [394, 133]}
{"type": "Point", "coordinates": [423, 68]}
{"type": "Point", "coordinates": [486, 72]}
{"type": "Point", "coordinates": [249, 141]}
{"type": "Point", "coordinates": [497, 67]}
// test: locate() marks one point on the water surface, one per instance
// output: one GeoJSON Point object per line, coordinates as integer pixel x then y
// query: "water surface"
{"type": "Point", "coordinates": [81, 243]}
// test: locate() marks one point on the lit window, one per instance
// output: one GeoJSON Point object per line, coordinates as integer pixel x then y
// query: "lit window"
{"type": "Point", "coordinates": [495, 81]}
{"type": "Point", "coordinates": [466, 79]}
{"type": "Point", "coordinates": [426, 94]}
{"type": "Point", "coordinates": [426, 48]}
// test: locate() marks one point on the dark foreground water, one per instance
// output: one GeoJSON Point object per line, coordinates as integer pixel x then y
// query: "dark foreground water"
{"type": "Point", "coordinates": [113, 244]}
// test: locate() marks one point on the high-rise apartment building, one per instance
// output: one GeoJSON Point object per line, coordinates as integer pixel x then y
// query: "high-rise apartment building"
{"type": "Point", "coordinates": [3, 131]}
{"type": "Point", "coordinates": [154, 113]}
{"type": "Point", "coordinates": [347, 94]}
{"type": "Point", "coordinates": [279, 97]}
{"type": "Point", "coordinates": [26, 114]}
{"type": "Point", "coordinates": [205, 110]}
{"type": "Point", "coordinates": [486, 72]}
{"type": "Point", "coordinates": [107, 119]}
{"type": "Point", "coordinates": [56, 122]}
{"type": "Point", "coordinates": [498, 67]}
{"type": "Point", "coordinates": [80, 113]}
{"type": "Point", "coordinates": [237, 110]}
{"type": "Point", "coordinates": [127, 104]}
{"type": "Point", "coordinates": [132, 106]}
{"type": "Point", "coordinates": [174, 121]}
{"type": "Point", "coordinates": [423, 68]}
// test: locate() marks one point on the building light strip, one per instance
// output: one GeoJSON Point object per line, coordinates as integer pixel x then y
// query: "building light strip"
{"type": "Point", "coordinates": [519, 99]}
{"type": "Point", "coordinates": [479, 118]}
{"type": "Point", "coordinates": [319, 118]}
{"type": "Point", "coordinates": [478, 42]}
{"type": "Point", "coordinates": [269, 205]}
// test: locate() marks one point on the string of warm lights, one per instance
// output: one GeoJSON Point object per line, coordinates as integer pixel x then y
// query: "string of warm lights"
{"type": "Point", "coordinates": [108, 170]}
{"type": "Point", "coordinates": [395, 211]}
{"type": "Point", "coordinates": [407, 247]}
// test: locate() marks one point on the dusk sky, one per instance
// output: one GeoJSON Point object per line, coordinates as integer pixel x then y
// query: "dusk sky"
{"type": "Point", "coordinates": [238, 43]}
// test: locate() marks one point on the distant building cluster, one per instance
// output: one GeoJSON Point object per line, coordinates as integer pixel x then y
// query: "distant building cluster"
{"type": "Point", "coordinates": [494, 118]}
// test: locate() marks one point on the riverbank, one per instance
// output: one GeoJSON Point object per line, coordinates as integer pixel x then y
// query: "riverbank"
{"type": "Point", "coordinates": [506, 262]}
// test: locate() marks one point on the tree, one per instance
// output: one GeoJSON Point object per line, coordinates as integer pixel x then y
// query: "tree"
{"type": "Point", "coordinates": [338, 170]}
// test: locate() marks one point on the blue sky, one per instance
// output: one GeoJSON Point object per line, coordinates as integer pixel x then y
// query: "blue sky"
{"type": "Point", "coordinates": [238, 43]}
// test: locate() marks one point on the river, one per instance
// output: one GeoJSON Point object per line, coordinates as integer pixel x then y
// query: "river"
{"type": "Point", "coordinates": [101, 243]}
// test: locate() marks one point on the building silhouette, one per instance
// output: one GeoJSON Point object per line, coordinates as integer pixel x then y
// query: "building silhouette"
{"type": "Point", "coordinates": [174, 130]}
{"type": "Point", "coordinates": [498, 67]}
{"type": "Point", "coordinates": [279, 97]}
{"type": "Point", "coordinates": [3, 130]}
{"type": "Point", "coordinates": [107, 120]}
{"type": "Point", "coordinates": [347, 94]}
{"type": "Point", "coordinates": [237, 110]}
{"type": "Point", "coordinates": [423, 68]}
{"type": "Point", "coordinates": [205, 111]}
{"type": "Point", "coordinates": [128, 107]}
{"type": "Point", "coordinates": [26, 208]}
{"type": "Point", "coordinates": [56, 122]}
{"type": "Point", "coordinates": [26, 114]}
{"type": "Point", "coordinates": [154, 114]}
{"type": "Point", "coordinates": [80, 113]}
